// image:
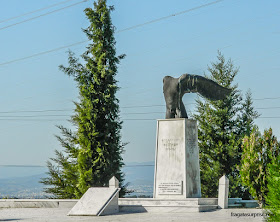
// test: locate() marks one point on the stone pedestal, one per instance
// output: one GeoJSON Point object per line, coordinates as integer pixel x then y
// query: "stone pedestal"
{"type": "Point", "coordinates": [177, 173]}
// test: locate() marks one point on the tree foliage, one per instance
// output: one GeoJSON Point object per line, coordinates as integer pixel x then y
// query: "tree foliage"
{"type": "Point", "coordinates": [221, 127]}
{"type": "Point", "coordinates": [258, 152]}
{"type": "Point", "coordinates": [248, 115]}
{"type": "Point", "coordinates": [92, 154]}
{"type": "Point", "coordinates": [273, 196]}
{"type": "Point", "coordinates": [63, 174]}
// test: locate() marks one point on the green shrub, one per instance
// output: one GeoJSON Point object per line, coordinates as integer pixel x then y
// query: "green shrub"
{"type": "Point", "coordinates": [259, 151]}
{"type": "Point", "coordinates": [273, 196]}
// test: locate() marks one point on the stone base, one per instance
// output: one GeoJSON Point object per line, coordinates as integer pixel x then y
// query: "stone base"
{"type": "Point", "coordinates": [69, 203]}
{"type": "Point", "coordinates": [137, 205]}
{"type": "Point", "coordinates": [177, 172]}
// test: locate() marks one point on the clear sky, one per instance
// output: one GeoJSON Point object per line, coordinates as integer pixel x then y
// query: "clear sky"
{"type": "Point", "coordinates": [246, 31]}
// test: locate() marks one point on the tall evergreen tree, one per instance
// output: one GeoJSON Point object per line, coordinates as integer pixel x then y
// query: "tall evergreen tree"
{"type": "Point", "coordinates": [216, 128]}
{"type": "Point", "coordinates": [92, 154]}
{"type": "Point", "coordinates": [219, 132]}
{"type": "Point", "coordinates": [247, 116]}
{"type": "Point", "coordinates": [246, 125]}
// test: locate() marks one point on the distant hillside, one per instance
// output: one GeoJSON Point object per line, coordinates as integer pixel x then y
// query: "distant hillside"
{"type": "Point", "coordinates": [22, 187]}
{"type": "Point", "coordinates": [140, 177]}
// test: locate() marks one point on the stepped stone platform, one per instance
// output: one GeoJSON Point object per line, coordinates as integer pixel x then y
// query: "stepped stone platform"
{"type": "Point", "coordinates": [135, 204]}
{"type": "Point", "coordinates": [167, 205]}
{"type": "Point", "coordinates": [125, 204]}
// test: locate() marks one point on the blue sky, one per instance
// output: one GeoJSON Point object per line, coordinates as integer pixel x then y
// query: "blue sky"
{"type": "Point", "coordinates": [245, 31]}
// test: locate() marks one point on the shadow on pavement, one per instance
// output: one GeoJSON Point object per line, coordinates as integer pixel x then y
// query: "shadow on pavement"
{"type": "Point", "coordinates": [9, 219]}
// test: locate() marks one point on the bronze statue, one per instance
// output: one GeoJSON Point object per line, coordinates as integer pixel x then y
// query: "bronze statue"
{"type": "Point", "coordinates": [175, 88]}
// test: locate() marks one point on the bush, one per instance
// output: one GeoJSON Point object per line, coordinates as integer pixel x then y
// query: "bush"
{"type": "Point", "coordinates": [259, 151]}
{"type": "Point", "coordinates": [273, 196]}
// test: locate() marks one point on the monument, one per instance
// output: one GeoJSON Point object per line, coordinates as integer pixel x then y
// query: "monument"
{"type": "Point", "coordinates": [177, 172]}
{"type": "Point", "coordinates": [175, 88]}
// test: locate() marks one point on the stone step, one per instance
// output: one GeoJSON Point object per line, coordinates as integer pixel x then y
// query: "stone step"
{"type": "Point", "coordinates": [166, 209]}
{"type": "Point", "coordinates": [167, 205]}
{"type": "Point", "coordinates": [250, 203]}
{"type": "Point", "coordinates": [168, 202]}
{"type": "Point", "coordinates": [245, 204]}
{"type": "Point", "coordinates": [239, 205]}
{"type": "Point", "coordinates": [234, 200]}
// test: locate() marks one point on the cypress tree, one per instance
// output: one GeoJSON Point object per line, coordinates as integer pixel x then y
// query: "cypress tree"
{"type": "Point", "coordinates": [93, 155]}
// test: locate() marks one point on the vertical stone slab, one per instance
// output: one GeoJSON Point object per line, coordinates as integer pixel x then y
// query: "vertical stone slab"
{"type": "Point", "coordinates": [223, 192]}
{"type": "Point", "coordinates": [177, 174]}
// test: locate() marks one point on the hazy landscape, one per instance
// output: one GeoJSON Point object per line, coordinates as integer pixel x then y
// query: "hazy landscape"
{"type": "Point", "coordinates": [26, 185]}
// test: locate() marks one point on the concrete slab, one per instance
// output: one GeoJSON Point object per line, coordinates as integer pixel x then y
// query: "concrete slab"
{"type": "Point", "coordinates": [60, 215]}
{"type": "Point", "coordinates": [97, 201]}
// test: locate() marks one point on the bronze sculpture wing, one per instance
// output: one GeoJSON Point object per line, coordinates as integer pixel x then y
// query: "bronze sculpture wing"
{"type": "Point", "coordinates": [204, 86]}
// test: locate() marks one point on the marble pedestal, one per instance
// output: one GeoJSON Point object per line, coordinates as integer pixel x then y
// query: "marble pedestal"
{"type": "Point", "coordinates": [177, 174]}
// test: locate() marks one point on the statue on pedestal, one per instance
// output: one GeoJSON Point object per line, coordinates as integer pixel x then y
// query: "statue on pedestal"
{"type": "Point", "coordinates": [175, 88]}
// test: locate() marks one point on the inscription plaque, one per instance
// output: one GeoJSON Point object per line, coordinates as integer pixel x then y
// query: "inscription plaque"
{"type": "Point", "coordinates": [170, 188]}
{"type": "Point", "coordinates": [170, 144]}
